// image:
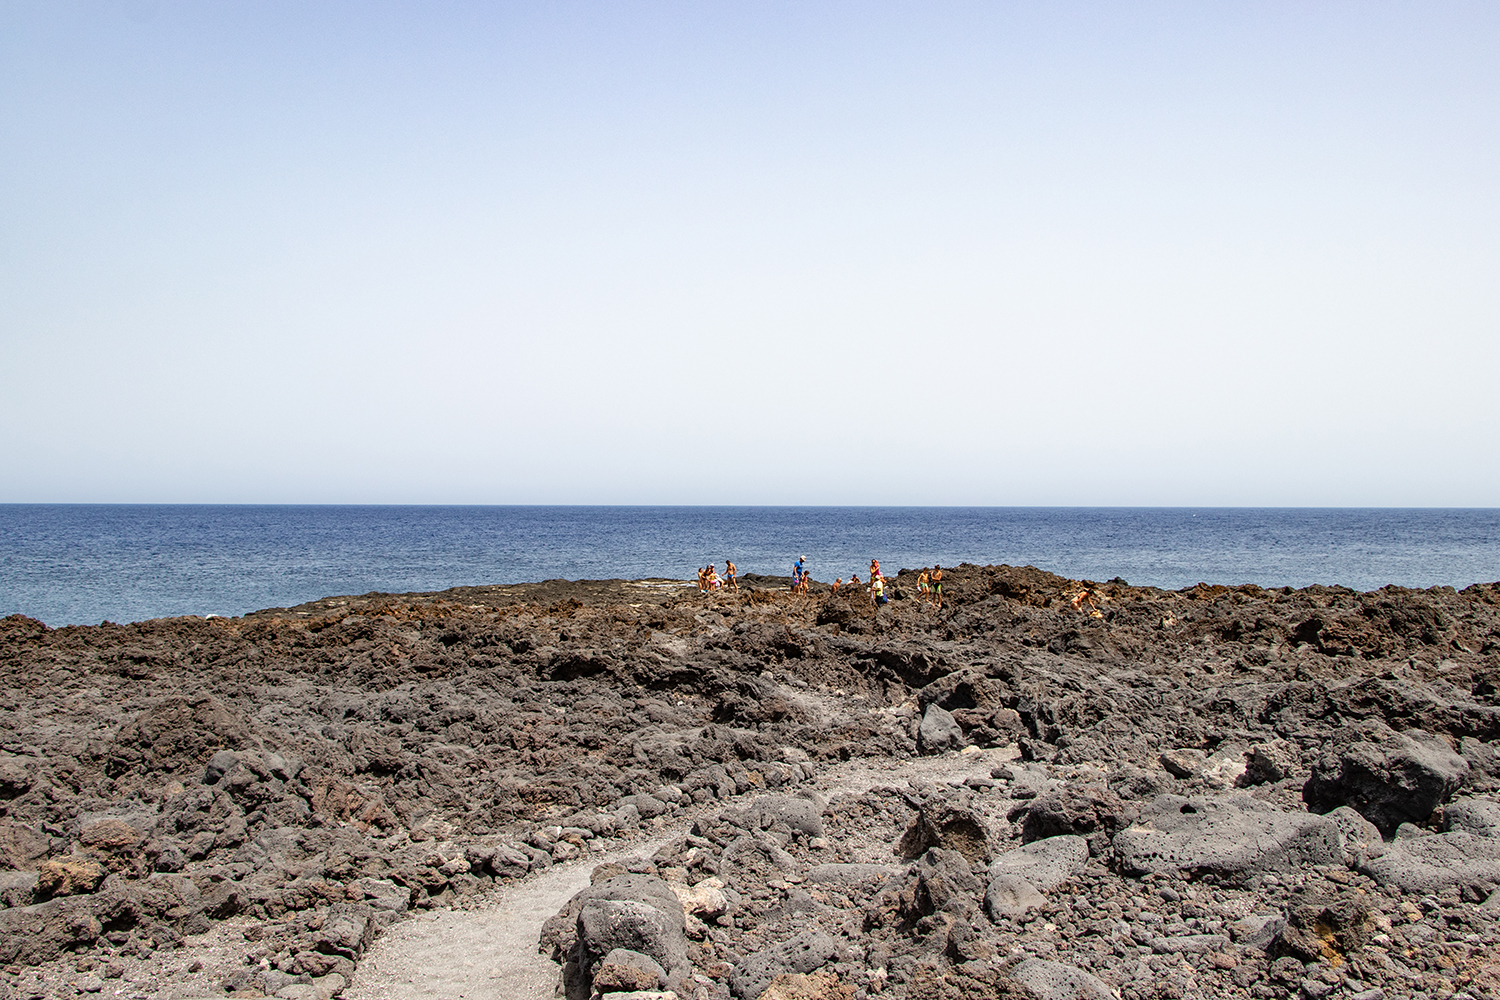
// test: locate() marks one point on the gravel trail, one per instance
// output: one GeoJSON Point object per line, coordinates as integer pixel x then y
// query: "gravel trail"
{"type": "Point", "coordinates": [491, 953]}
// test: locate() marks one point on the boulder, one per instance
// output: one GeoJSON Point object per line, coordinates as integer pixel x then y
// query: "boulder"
{"type": "Point", "coordinates": [1429, 865]}
{"type": "Point", "coordinates": [801, 815]}
{"type": "Point", "coordinates": [605, 925]}
{"type": "Point", "coordinates": [21, 845]}
{"type": "Point", "coordinates": [346, 931]}
{"type": "Point", "coordinates": [705, 900]}
{"type": "Point", "coordinates": [1183, 762]}
{"type": "Point", "coordinates": [14, 777]}
{"type": "Point", "coordinates": [1326, 929]}
{"type": "Point", "coordinates": [38, 933]}
{"type": "Point", "coordinates": [17, 888]}
{"type": "Point", "coordinates": [939, 731]}
{"type": "Point", "coordinates": [950, 825]}
{"type": "Point", "coordinates": [1478, 816]}
{"type": "Point", "coordinates": [1046, 864]}
{"type": "Point", "coordinates": [1073, 809]}
{"type": "Point", "coordinates": [1011, 896]}
{"type": "Point", "coordinates": [1389, 777]}
{"type": "Point", "coordinates": [1234, 837]}
{"type": "Point", "coordinates": [852, 878]}
{"type": "Point", "coordinates": [1056, 981]}
{"type": "Point", "coordinates": [560, 931]}
{"type": "Point", "coordinates": [807, 952]}
{"type": "Point", "coordinates": [1270, 762]}
{"type": "Point", "coordinates": [946, 883]}
{"type": "Point", "coordinates": [755, 858]}
{"type": "Point", "coordinates": [68, 877]}
{"type": "Point", "coordinates": [1362, 838]}
{"type": "Point", "coordinates": [624, 971]}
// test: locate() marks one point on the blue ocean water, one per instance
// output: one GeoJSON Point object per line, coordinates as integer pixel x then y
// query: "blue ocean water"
{"type": "Point", "coordinates": [80, 564]}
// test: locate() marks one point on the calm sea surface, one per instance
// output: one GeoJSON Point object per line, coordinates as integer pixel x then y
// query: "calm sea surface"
{"type": "Point", "coordinates": [80, 564]}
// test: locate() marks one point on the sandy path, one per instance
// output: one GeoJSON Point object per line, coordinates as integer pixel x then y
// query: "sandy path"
{"type": "Point", "coordinates": [491, 953]}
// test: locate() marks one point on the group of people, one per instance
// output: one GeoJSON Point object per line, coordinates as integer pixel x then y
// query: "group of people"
{"type": "Point", "coordinates": [709, 580]}
{"type": "Point", "coordinates": [929, 584]}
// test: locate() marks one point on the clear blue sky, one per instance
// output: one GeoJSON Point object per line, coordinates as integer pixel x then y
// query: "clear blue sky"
{"type": "Point", "coordinates": [990, 253]}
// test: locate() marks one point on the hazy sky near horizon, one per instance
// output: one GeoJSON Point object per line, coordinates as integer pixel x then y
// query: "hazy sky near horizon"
{"type": "Point", "coordinates": [921, 253]}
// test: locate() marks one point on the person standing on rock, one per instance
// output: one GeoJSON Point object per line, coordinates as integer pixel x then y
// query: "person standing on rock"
{"type": "Point", "coordinates": [730, 571]}
{"type": "Point", "coordinates": [922, 586]}
{"type": "Point", "coordinates": [937, 586]}
{"type": "Point", "coordinates": [877, 590]}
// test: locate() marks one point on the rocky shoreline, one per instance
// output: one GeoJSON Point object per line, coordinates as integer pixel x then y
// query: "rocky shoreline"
{"type": "Point", "coordinates": [1217, 792]}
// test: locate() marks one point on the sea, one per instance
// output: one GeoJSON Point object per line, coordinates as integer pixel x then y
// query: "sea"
{"type": "Point", "coordinates": [73, 564]}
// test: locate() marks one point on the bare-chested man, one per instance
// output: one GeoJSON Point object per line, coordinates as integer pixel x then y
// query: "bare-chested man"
{"type": "Point", "coordinates": [730, 571]}
{"type": "Point", "coordinates": [1084, 596]}
{"type": "Point", "coordinates": [936, 583]}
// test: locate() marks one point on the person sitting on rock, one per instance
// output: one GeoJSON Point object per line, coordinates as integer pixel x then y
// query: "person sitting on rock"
{"type": "Point", "coordinates": [837, 583]}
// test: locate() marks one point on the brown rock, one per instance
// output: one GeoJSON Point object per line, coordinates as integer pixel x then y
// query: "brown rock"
{"type": "Point", "coordinates": [807, 986]}
{"type": "Point", "coordinates": [68, 877]}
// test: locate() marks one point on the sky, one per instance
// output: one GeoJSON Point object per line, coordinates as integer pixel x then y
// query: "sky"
{"type": "Point", "coordinates": [790, 253]}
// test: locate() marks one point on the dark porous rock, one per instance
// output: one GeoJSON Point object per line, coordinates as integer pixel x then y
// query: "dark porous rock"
{"type": "Point", "coordinates": [605, 925]}
{"type": "Point", "coordinates": [219, 765]}
{"type": "Point", "coordinates": [346, 931]}
{"type": "Point", "coordinates": [1046, 863]}
{"type": "Point", "coordinates": [1269, 762]}
{"type": "Point", "coordinates": [22, 845]}
{"type": "Point", "coordinates": [1074, 809]}
{"type": "Point", "coordinates": [799, 814]}
{"type": "Point", "coordinates": [1258, 930]}
{"type": "Point", "coordinates": [17, 888]}
{"type": "Point", "coordinates": [559, 932]}
{"type": "Point", "coordinates": [1234, 837]}
{"type": "Point", "coordinates": [1439, 862]}
{"type": "Point", "coordinates": [1132, 782]}
{"type": "Point", "coordinates": [1484, 764]}
{"type": "Point", "coordinates": [42, 931]}
{"type": "Point", "coordinates": [1362, 839]}
{"type": "Point", "coordinates": [15, 778]}
{"type": "Point", "coordinates": [648, 806]}
{"type": "Point", "coordinates": [753, 859]}
{"type": "Point", "coordinates": [178, 735]}
{"type": "Point", "coordinates": [946, 883]}
{"type": "Point", "coordinates": [939, 731]}
{"type": "Point", "coordinates": [807, 952]}
{"type": "Point", "coordinates": [1479, 816]}
{"type": "Point", "coordinates": [1011, 896]}
{"type": "Point", "coordinates": [1328, 929]}
{"type": "Point", "coordinates": [626, 971]}
{"type": "Point", "coordinates": [949, 824]}
{"type": "Point", "coordinates": [1047, 980]}
{"type": "Point", "coordinates": [1389, 777]}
